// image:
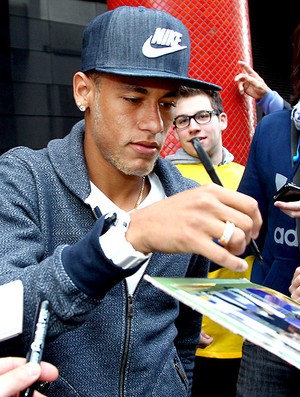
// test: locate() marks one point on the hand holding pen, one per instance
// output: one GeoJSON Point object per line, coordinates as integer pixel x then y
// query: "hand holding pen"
{"type": "Point", "coordinates": [210, 169]}
{"type": "Point", "coordinates": [16, 375]}
{"type": "Point", "coordinates": [38, 338]}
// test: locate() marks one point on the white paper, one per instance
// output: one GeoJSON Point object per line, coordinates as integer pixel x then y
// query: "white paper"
{"type": "Point", "coordinates": [11, 309]}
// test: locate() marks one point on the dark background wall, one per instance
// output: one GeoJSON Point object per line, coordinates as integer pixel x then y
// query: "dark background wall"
{"type": "Point", "coordinates": [39, 52]}
{"type": "Point", "coordinates": [271, 25]}
{"type": "Point", "coordinates": [40, 43]}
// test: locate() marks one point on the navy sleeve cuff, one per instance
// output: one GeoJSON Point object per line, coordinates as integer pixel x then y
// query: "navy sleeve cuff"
{"type": "Point", "coordinates": [88, 267]}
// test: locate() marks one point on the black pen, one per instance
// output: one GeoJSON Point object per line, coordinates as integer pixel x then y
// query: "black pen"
{"type": "Point", "coordinates": [109, 220]}
{"type": "Point", "coordinates": [37, 343]}
{"type": "Point", "coordinates": [210, 169]}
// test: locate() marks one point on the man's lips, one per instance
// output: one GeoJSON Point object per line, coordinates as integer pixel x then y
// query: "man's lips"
{"type": "Point", "coordinates": [201, 138]}
{"type": "Point", "coordinates": [144, 147]}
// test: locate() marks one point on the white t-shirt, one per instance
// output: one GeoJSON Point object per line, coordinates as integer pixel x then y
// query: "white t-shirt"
{"type": "Point", "coordinates": [113, 238]}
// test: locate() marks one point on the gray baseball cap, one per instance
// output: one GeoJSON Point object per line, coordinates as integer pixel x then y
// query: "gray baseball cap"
{"type": "Point", "coordinates": [141, 42]}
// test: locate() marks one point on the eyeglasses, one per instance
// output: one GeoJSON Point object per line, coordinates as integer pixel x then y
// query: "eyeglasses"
{"type": "Point", "coordinates": [201, 117]}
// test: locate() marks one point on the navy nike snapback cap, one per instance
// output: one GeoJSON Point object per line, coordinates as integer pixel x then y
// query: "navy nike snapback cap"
{"type": "Point", "coordinates": [141, 42]}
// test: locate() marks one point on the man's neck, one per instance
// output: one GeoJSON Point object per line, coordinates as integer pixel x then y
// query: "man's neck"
{"type": "Point", "coordinates": [216, 158]}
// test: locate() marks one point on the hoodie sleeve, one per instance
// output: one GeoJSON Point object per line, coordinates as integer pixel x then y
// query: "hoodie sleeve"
{"type": "Point", "coordinates": [271, 102]}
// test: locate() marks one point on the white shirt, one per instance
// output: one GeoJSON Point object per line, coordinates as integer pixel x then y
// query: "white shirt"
{"type": "Point", "coordinates": [115, 236]}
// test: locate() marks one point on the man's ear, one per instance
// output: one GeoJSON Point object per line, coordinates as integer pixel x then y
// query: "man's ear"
{"type": "Point", "coordinates": [81, 89]}
{"type": "Point", "coordinates": [223, 121]}
{"type": "Point", "coordinates": [173, 128]}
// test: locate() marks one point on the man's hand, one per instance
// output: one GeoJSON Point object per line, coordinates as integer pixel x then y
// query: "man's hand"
{"type": "Point", "coordinates": [193, 221]}
{"type": "Point", "coordinates": [291, 209]}
{"type": "Point", "coordinates": [250, 83]}
{"type": "Point", "coordinates": [295, 286]}
{"type": "Point", "coordinates": [16, 375]}
{"type": "Point", "coordinates": [205, 340]}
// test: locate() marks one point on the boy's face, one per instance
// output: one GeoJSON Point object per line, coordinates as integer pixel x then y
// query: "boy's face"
{"type": "Point", "coordinates": [210, 133]}
{"type": "Point", "coordinates": [128, 121]}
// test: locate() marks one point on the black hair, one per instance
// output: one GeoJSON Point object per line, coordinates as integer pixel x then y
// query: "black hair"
{"type": "Point", "coordinates": [215, 97]}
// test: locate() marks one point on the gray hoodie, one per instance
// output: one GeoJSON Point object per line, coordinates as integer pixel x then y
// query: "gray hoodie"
{"type": "Point", "coordinates": [182, 157]}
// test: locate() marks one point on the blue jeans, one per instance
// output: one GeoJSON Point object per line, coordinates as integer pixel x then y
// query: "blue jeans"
{"type": "Point", "coordinates": [262, 374]}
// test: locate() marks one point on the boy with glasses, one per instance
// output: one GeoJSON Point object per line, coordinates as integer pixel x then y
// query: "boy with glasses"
{"type": "Point", "coordinates": [199, 113]}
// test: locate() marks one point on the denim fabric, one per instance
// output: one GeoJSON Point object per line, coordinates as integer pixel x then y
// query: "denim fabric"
{"type": "Point", "coordinates": [138, 41]}
{"type": "Point", "coordinates": [262, 374]}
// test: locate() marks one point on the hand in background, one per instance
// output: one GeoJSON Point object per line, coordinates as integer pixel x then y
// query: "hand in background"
{"type": "Point", "coordinates": [205, 340]}
{"type": "Point", "coordinates": [291, 208]}
{"type": "Point", "coordinates": [295, 286]}
{"type": "Point", "coordinates": [250, 83]}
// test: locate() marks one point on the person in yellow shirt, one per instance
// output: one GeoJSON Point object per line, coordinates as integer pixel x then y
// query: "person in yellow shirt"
{"type": "Point", "coordinates": [200, 113]}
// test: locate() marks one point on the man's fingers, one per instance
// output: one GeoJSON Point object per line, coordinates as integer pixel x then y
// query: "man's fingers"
{"type": "Point", "coordinates": [240, 209]}
{"type": "Point", "coordinates": [8, 363]}
{"type": "Point", "coordinates": [248, 68]}
{"type": "Point", "coordinates": [202, 214]}
{"type": "Point", "coordinates": [49, 372]}
{"type": "Point", "coordinates": [240, 83]}
{"type": "Point", "coordinates": [18, 379]}
{"type": "Point", "coordinates": [291, 209]}
{"type": "Point", "coordinates": [205, 340]}
{"type": "Point", "coordinates": [16, 375]}
{"type": "Point", "coordinates": [224, 258]}
{"type": "Point", "coordinates": [295, 286]}
{"type": "Point", "coordinates": [244, 79]}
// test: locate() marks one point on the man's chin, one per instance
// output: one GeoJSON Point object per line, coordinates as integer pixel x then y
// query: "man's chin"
{"type": "Point", "coordinates": [139, 171]}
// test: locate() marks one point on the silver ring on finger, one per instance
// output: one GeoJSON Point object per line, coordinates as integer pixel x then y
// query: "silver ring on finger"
{"type": "Point", "coordinates": [227, 234]}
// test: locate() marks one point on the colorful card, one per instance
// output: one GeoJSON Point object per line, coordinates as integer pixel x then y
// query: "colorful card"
{"type": "Point", "coordinates": [261, 315]}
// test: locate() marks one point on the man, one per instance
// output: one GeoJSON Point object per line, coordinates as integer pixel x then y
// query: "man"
{"type": "Point", "coordinates": [273, 160]}
{"type": "Point", "coordinates": [199, 113]}
{"type": "Point", "coordinates": [111, 333]}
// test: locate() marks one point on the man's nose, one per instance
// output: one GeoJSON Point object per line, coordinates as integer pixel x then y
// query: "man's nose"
{"type": "Point", "coordinates": [194, 126]}
{"type": "Point", "coordinates": [152, 121]}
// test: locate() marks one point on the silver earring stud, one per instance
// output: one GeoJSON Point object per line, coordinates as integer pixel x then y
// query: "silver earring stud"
{"type": "Point", "coordinates": [81, 107]}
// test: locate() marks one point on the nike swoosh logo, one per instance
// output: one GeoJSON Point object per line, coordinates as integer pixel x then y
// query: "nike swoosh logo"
{"type": "Point", "coordinates": [151, 52]}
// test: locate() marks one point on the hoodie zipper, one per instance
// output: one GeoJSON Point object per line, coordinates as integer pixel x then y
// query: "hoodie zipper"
{"type": "Point", "coordinates": [126, 345]}
{"type": "Point", "coordinates": [181, 373]}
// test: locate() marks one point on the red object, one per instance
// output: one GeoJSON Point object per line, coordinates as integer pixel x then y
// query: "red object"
{"type": "Point", "coordinates": [220, 36]}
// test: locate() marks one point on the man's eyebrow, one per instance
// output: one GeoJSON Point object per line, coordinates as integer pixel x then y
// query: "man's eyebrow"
{"type": "Point", "coordinates": [171, 94]}
{"type": "Point", "coordinates": [142, 90]}
{"type": "Point", "coordinates": [135, 88]}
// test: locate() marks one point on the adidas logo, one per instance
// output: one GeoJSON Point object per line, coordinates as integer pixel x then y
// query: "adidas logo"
{"type": "Point", "coordinates": [168, 39]}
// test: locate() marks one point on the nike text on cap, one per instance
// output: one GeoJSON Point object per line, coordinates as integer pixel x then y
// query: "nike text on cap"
{"type": "Point", "coordinates": [139, 41]}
